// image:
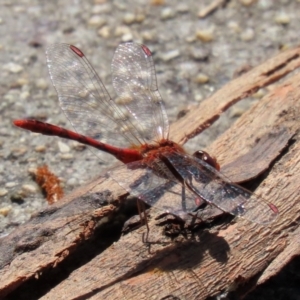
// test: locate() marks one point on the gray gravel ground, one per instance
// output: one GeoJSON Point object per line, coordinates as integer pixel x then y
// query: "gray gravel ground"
{"type": "Point", "coordinates": [194, 57]}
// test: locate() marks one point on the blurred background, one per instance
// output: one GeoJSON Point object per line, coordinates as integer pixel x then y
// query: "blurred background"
{"type": "Point", "coordinates": [198, 46]}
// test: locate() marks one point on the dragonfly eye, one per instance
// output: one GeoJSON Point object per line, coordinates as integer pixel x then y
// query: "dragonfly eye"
{"type": "Point", "coordinates": [202, 155]}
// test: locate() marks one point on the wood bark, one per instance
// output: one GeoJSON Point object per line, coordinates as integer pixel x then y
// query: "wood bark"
{"type": "Point", "coordinates": [73, 250]}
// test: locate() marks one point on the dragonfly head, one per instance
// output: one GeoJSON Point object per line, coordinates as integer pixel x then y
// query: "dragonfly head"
{"type": "Point", "coordinates": [211, 160]}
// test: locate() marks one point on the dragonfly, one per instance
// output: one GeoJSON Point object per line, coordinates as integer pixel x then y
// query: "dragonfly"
{"type": "Point", "coordinates": [134, 128]}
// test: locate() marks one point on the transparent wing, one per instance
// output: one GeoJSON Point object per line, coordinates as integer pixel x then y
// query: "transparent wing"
{"type": "Point", "coordinates": [157, 186]}
{"type": "Point", "coordinates": [134, 81]}
{"type": "Point", "coordinates": [84, 99]}
{"type": "Point", "coordinates": [215, 188]}
{"type": "Point", "coordinates": [164, 193]}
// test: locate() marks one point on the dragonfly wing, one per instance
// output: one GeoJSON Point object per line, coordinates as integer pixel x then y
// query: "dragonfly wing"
{"type": "Point", "coordinates": [134, 81]}
{"type": "Point", "coordinates": [163, 193]}
{"type": "Point", "coordinates": [215, 188]}
{"type": "Point", "coordinates": [84, 99]}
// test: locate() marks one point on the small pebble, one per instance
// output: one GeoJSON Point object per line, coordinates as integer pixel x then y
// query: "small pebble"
{"type": "Point", "coordinates": [202, 78]}
{"type": "Point", "coordinates": [20, 83]}
{"type": "Point", "coordinates": [32, 159]}
{"type": "Point", "coordinates": [101, 9]}
{"type": "Point", "coordinates": [127, 37]}
{"type": "Point", "coordinates": [237, 112]}
{"type": "Point", "coordinates": [121, 30]}
{"type": "Point", "coordinates": [167, 13]}
{"type": "Point", "coordinates": [139, 18]}
{"type": "Point", "coordinates": [67, 156]}
{"type": "Point", "coordinates": [17, 152]}
{"type": "Point", "coordinates": [259, 94]}
{"type": "Point", "coordinates": [72, 182]}
{"type": "Point", "coordinates": [24, 95]}
{"type": "Point", "coordinates": [282, 18]}
{"type": "Point", "coordinates": [129, 18]}
{"type": "Point", "coordinates": [198, 97]}
{"type": "Point", "coordinates": [234, 26]}
{"type": "Point", "coordinates": [96, 21]}
{"type": "Point", "coordinates": [40, 148]}
{"type": "Point", "coordinates": [124, 100]}
{"type": "Point", "coordinates": [170, 55]}
{"type": "Point", "coordinates": [205, 35]}
{"type": "Point", "coordinates": [3, 192]}
{"type": "Point", "coordinates": [13, 67]}
{"type": "Point", "coordinates": [4, 211]}
{"type": "Point", "coordinates": [41, 83]}
{"type": "Point", "coordinates": [10, 184]}
{"type": "Point", "coordinates": [32, 171]}
{"type": "Point", "coordinates": [199, 53]}
{"type": "Point", "coordinates": [63, 147]}
{"type": "Point", "coordinates": [29, 188]}
{"type": "Point", "coordinates": [148, 36]}
{"type": "Point", "coordinates": [78, 146]}
{"type": "Point", "coordinates": [190, 38]}
{"type": "Point", "coordinates": [104, 32]}
{"type": "Point", "coordinates": [247, 35]}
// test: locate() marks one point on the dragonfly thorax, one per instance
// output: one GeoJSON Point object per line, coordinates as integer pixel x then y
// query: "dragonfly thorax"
{"type": "Point", "coordinates": [154, 151]}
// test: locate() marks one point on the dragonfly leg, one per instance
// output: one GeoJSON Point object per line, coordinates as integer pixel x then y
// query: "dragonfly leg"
{"type": "Point", "coordinates": [143, 217]}
{"type": "Point", "coordinates": [183, 198]}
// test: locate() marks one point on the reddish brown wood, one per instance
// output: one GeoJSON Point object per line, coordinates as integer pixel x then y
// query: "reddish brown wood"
{"type": "Point", "coordinates": [259, 158]}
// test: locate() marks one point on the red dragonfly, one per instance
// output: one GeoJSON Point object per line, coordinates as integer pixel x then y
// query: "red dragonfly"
{"type": "Point", "coordinates": [156, 170]}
